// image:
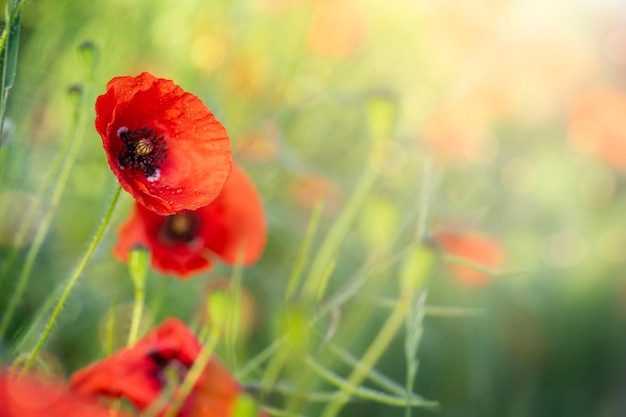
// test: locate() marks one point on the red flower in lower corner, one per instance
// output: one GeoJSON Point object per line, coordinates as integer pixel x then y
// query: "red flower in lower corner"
{"type": "Point", "coordinates": [139, 374]}
{"type": "Point", "coordinates": [33, 396]}
{"type": "Point", "coordinates": [230, 227]}
{"type": "Point", "coordinates": [163, 144]}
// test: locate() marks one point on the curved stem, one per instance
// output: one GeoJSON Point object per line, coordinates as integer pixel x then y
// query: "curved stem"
{"type": "Point", "coordinates": [373, 353]}
{"type": "Point", "coordinates": [72, 281]}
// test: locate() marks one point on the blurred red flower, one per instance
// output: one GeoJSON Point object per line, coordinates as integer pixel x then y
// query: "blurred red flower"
{"type": "Point", "coordinates": [597, 126]}
{"type": "Point", "coordinates": [474, 247]}
{"type": "Point", "coordinates": [163, 145]}
{"type": "Point", "coordinates": [231, 226]}
{"type": "Point", "coordinates": [34, 396]}
{"type": "Point", "coordinates": [138, 373]}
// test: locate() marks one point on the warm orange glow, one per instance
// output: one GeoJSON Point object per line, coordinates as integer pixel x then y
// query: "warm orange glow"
{"type": "Point", "coordinates": [597, 125]}
{"type": "Point", "coordinates": [336, 29]}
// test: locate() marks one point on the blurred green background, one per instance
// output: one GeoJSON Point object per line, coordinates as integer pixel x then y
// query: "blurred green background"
{"type": "Point", "coordinates": [509, 119]}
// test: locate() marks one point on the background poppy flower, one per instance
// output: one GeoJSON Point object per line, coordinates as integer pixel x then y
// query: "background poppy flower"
{"type": "Point", "coordinates": [596, 125]}
{"type": "Point", "coordinates": [31, 396]}
{"type": "Point", "coordinates": [232, 225]}
{"type": "Point", "coordinates": [162, 143]}
{"type": "Point", "coordinates": [138, 373]}
{"type": "Point", "coordinates": [474, 247]}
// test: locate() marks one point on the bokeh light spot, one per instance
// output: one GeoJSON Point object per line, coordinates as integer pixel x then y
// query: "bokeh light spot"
{"type": "Point", "coordinates": [518, 176]}
{"type": "Point", "coordinates": [597, 187]}
{"type": "Point", "coordinates": [611, 244]}
{"type": "Point", "coordinates": [208, 52]}
{"type": "Point", "coordinates": [564, 249]}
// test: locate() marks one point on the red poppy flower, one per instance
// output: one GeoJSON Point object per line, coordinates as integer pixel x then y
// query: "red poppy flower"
{"type": "Point", "coordinates": [31, 396]}
{"type": "Point", "coordinates": [474, 247]}
{"type": "Point", "coordinates": [162, 143]}
{"type": "Point", "coordinates": [138, 374]}
{"type": "Point", "coordinates": [232, 225]}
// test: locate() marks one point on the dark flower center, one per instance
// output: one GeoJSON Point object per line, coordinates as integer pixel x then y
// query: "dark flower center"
{"type": "Point", "coordinates": [167, 368]}
{"type": "Point", "coordinates": [143, 151]}
{"type": "Point", "coordinates": [180, 228]}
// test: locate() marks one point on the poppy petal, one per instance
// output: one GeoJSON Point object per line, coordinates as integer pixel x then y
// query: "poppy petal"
{"type": "Point", "coordinates": [237, 226]}
{"type": "Point", "coordinates": [135, 373]}
{"type": "Point", "coordinates": [34, 396]}
{"type": "Point", "coordinates": [196, 158]}
{"type": "Point", "coordinates": [143, 227]}
{"type": "Point", "coordinates": [231, 225]}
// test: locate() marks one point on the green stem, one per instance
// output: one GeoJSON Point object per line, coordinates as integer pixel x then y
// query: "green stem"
{"type": "Point", "coordinates": [194, 373]}
{"type": "Point", "coordinates": [303, 256]}
{"type": "Point", "coordinates": [376, 349]}
{"type": "Point", "coordinates": [234, 314]}
{"type": "Point", "coordinates": [140, 295]}
{"type": "Point", "coordinates": [7, 27]}
{"type": "Point", "coordinates": [9, 48]}
{"type": "Point", "coordinates": [366, 393]}
{"type": "Point", "coordinates": [73, 279]}
{"type": "Point", "coordinates": [376, 377]}
{"type": "Point", "coordinates": [414, 330]}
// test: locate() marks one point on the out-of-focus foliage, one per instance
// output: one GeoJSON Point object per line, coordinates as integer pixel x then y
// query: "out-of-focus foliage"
{"type": "Point", "coordinates": [505, 118]}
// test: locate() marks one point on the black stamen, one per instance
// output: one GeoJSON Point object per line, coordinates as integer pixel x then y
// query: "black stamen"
{"type": "Point", "coordinates": [143, 150]}
{"type": "Point", "coordinates": [180, 228]}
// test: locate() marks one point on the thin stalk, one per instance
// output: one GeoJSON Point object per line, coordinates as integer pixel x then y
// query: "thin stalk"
{"type": "Point", "coordinates": [73, 280]}
{"type": "Point", "coordinates": [366, 393]}
{"type": "Point", "coordinates": [314, 284]}
{"type": "Point", "coordinates": [9, 47]}
{"type": "Point", "coordinates": [303, 256]}
{"type": "Point", "coordinates": [194, 373]}
{"type": "Point", "coordinates": [373, 353]}
{"type": "Point", "coordinates": [138, 265]}
{"type": "Point", "coordinates": [376, 377]}
{"type": "Point", "coordinates": [234, 316]}
{"type": "Point", "coordinates": [414, 330]}
{"type": "Point", "coordinates": [276, 412]}
{"type": "Point", "coordinates": [138, 306]}
{"type": "Point", "coordinates": [415, 317]}
{"type": "Point", "coordinates": [260, 358]}
{"type": "Point", "coordinates": [7, 27]}
{"type": "Point", "coordinates": [272, 371]}
{"type": "Point", "coordinates": [340, 298]}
